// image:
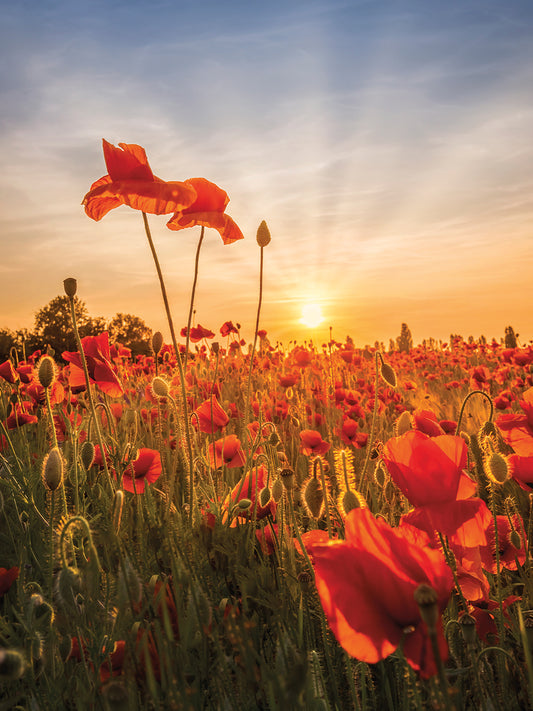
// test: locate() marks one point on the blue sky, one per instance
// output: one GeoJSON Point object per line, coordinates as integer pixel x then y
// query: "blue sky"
{"type": "Point", "coordinates": [387, 145]}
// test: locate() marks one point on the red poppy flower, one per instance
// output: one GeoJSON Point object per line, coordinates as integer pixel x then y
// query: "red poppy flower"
{"type": "Point", "coordinates": [130, 181]}
{"type": "Point", "coordinates": [7, 372]}
{"type": "Point", "coordinates": [197, 333]}
{"type": "Point", "coordinates": [517, 429]}
{"type": "Point", "coordinates": [426, 421]}
{"type": "Point", "coordinates": [211, 416]}
{"type": "Point", "coordinates": [7, 578]}
{"type": "Point", "coordinates": [227, 452]}
{"type": "Point", "coordinates": [19, 417]}
{"type": "Point", "coordinates": [145, 469]}
{"type": "Point", "coordinates": [249, 488]}
{"type": "Point", "coordinates": [367, 585]}
{"type": "Point", "coordinates": [312, 443]}
{"type": "Point", "coordinates": [206, 210]}
{"type": "Point", "coordinates": [101, 372]}
{"type": "Point", "coordinates": [228, 328]}
{"type": "Point", "coordinates": [349, 431]}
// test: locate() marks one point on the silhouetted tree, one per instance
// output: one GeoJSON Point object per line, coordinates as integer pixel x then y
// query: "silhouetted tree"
{"type": "Point", "coordinates": [405, 339]}
{"type": "Point", "coordinates": [132, 332]}
{"type": "Point", "coordinates": [53, 324]}
{"type": "Point", "coordinates": [510, 337]}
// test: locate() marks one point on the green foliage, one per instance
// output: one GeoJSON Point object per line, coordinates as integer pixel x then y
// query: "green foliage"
{"type": "Point", "coordinates": [510, 337]}
{"type": "Point", "coordinates": [131, 331]}
{"type": "Point", "coordinates": [405, 339]}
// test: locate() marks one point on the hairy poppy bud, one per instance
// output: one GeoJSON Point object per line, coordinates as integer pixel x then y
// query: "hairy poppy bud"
{"type": "Point", "coordinates": [71, 286]}
{"type": "Point", "coordinates": [12, 664]}
{"type": "Point", "coordinates": [52, 471]}
{"type": "Point", "coordinates": [403, 424]}
{"type": "Point", "coordinates": [426, 599]}
{"type": "Point", "coordinates": [388, 374]}
{"type": "Point", "coordinates": [160, 387]}
{"type": "Point", "coordinates": [263, 234]}
{"type": "Point", "coordinates": [264, 497]}
{"type": "Point", "coordinates": [515, 539]}
{"type": "Point", "coordinates": [244, 504]}
{"type": "Point", "coordinates": [46, 372]}
{"type": "Point", "coordinates": [215, 347]}
{"type": "Point", "coordinates": [87, 454]}
{"type": "Point", "coordinates": [349, 502]}
{"type": "Point", "coordinates": [277, 490]}
{"type": "Point", "coordinates": [313, 497]}
{"type": "Point", "coordinates": [68, 584]}
{"type": "Point", "coordinates": [157, 342]}
{"type": "Point", "coordinates": [497, 468]}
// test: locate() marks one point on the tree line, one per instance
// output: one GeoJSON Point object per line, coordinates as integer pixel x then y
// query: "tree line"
{"type": "Point", "coordinates": [53, 330]}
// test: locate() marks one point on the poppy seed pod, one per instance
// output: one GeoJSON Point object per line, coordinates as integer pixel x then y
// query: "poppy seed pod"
{"type": "Point", "coordinates": [71, 286]}
{"type": "Point", "coordinates": [264, 497]}
{"type": "Point", "coordinates": [157, 342]}
{"type": "Point", "coordinates": [263, 234]}
{"type": "Point", "coordinates": [468, 628]}
{"type": "Point", "coordinates": [403, 424]}
{"type": "Point", "coordinates": [46, 372]}
{"type": "Point", "coordinates": [52, 471]}
{"type": "Point", "coordinates": [277, 490]}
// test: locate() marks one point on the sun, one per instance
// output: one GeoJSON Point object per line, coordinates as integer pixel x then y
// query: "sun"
{"type": "Point", "coordinates": [311, 315]}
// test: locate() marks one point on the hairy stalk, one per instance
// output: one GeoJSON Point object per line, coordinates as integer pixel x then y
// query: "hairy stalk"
{"type": "Point", "coordinates": [252, 354]}
{"type": "Point", "coordinates": [179, 361]}
{"type": "Point", "coordinates": [89, 391]}
{"type": "Point", "coordinates": [191, 307]}
{"type": "Point", "coordinates": [372, 428]}
{"type": "Point", "coordinates": [467, 398]}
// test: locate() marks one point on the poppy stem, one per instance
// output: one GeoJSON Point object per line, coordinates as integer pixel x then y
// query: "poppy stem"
{"type": "Point", "coordinates": [252, 354]}
{"type": "Point", "coordinates": [180, 365]}
{"type": "Point", "coordinates": [370, 441]}
{"type": "Point", "coordinates": [189, 320]}
{"type": "Point", "coordinates": [89, 391]}
{"type": "Point", "coordinates": [467, 398]}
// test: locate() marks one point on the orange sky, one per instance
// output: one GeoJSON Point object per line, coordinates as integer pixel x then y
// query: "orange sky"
{"type": "Point", "coordinates": [389, 150]}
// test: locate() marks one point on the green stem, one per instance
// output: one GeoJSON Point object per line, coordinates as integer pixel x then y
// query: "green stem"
{"type": "Point", "coordinates": [372, 428]}
{"type": "Point", "coordinates": [89, 392]}
{"type": "Point", "coordinates": [180, 364]}
{"type": "Point", "coordinates": [248, 388]}
{"type": "Point", "coordinates": [467, 398]}
{"type": "Point", "coordinates": [189, 320]}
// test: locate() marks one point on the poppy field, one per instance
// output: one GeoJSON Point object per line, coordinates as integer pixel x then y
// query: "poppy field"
{"type": "Point", "coordinates": [233, 525]}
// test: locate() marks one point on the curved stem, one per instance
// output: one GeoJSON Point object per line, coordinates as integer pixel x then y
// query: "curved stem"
{"type": "Point", "coordinates": [467, 398]}
{"type": "Point", "coordinates": [178, 359]}
{"type": "Point", "coordinates": [189, 320]}
{"type": "Point", "coordinates": [370, 441]}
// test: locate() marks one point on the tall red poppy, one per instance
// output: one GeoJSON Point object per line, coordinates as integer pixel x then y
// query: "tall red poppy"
{"type": "Point", "coordinates": [206, 210]}
{"type": "Point", "coordinates": [367, 585]}
{"type": "Point", "coordinates": [312, 443]}
{"type": "Point", "coordinates": [130, 181]}
{"type": "Point", "coordinates": [211, 416]}
{"type": "Point", "coordinates": [145, 469]}
{"type": "Point", "coordinates": [227, 451]}
{"type": "Point", "coordinates": [7, 578]}
{"type": "Point", "coordinates": [101, 372]}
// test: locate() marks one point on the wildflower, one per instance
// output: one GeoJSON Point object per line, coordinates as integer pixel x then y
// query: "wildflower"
{"type": "Point", "coordinates": [7, 578]}
{"type": "Point", "coordinates": [7, 372]}
{"type": "Point", "coordinates": [312, 443]}
{"type": "Point", "coordinates": [367, 587]}
{"type": "Point", "coordinates": [130, 181]}
{"type": "Point", "coordinates": [101, 372]}
{"type": "Point", "coordinates": [144, 469]}
{"type": "Point", "coordinates": [18, 417]}
{"type": "Point", "coordinates": [211, 416]}
{"type": "Point", "coordinates": [207, 210]}
{"type": "Point", "coordinates": [227, 451]}
{"type": "Point", "coordinates": [249, 488]}
{"type": "Point", "coordinates": [197, 333]}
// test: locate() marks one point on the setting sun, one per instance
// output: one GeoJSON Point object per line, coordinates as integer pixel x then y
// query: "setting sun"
{"type": "Point", "coordinates": [311, 315]}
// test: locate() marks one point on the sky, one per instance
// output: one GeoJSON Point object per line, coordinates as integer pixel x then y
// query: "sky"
{"type": "Point", "coordinates": [387, 144]}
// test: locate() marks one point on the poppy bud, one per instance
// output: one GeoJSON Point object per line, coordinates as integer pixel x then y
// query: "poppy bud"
{"type": "Point", "coordinates": [273, 439]}
{"type": "Point", "coordinates": [515, 539]}
{"type": "Point", "coordinates": [264, 497]}
{"type": "Point", "coordinates": [468, 628]}
{"type": "Point", "coordinates": [41, 612]}
{"type": "Point", "coordinates": [287, 477]}
{"type": "Point", "coordinates": [157, 342]}
{"type": "Point", "coordinates": [46, 371]}
{"type": "Point", "coordinates": [403, 424]}
{"type": "Point", "coordinates": [244, 504]}
{"type": "Point", "coordinates": [87, 454]}
{"type": "Point", "coordinates": [388, 374]}
{"type": "Point", "coordinates": [313, 497]}
{"type": "Point", "coordinates": [349, 502]}
{"type": "Point", "coordinates": [12, 664]}
{"type": "Point", "coordinates": [380, 475]}
{"type": "Point", "coordinates": [426, 599]}
{"type": "Point", "coordinates": [263, 234]}
{"type": "Point", "coordinates": [160, 387]}
{"type": "Point", "coordinates": [116, 696]}
{"type": "Point", "coordinates": [215, 347]}
{"type": "Point", "coordinates": [52, 472]}
{"type": "Point", "coordinates": [71, 286]}
{"type": "Point", "coordinates": [497, 468]}
{"type": "Point", "coordinates": [277, 490]}
{"type": "Point", "coordinates": [67, 585]}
